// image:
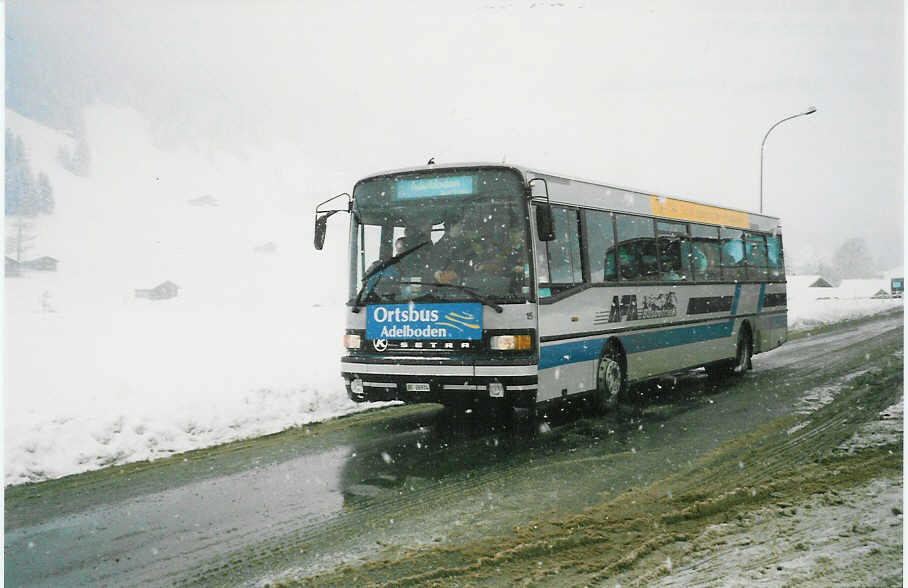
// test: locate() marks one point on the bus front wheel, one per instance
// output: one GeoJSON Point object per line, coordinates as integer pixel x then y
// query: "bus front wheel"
{"type": "Point", "coordinates": [611, 381]}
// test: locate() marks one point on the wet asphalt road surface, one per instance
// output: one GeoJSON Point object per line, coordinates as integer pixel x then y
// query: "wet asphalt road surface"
{"type": "Point", "coordinates": [305, 501]}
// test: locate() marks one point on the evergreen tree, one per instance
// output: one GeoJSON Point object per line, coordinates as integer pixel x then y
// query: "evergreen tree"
{"type": "Point", "coordinates": [11, 190]}
{"type": "Point", "coordinates": [24, 195]}
{"type": "Point", "coordinates": [10, 174]}
{"type": "Point", "coordinates": [45, 194]}
{"type": "Point", "coordinates": [10, 147]}
{"type": "Point", "coordinates": [19, 182]}
{"type": "Point", "coordinates": [18, 240]}
{"type": "Point", "coordinates": [64, 157]}
{"type": "Point", "coordinates": [27, 189]}
{"type": "Point", "coordinates": [81, 159]}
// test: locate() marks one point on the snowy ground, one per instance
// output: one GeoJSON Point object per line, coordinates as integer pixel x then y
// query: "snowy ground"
{"type": "Point", "coordinates": [87, 391]}
{"type": "Point", "coordinates": [805, 311]}
{"type": "Point", "coordinates": [94, 376]}
{"type": "Point", "coordinates": [851, 537]}
{"type": "Point", "coordinates": [848, 537]}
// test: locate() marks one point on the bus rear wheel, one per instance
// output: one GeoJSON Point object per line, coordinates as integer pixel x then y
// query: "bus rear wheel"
{"type": "Point", "coordinates": [611, 381]}
{"type": "Point", "coordinates": [741, 361]}
{"type": "Point", "coordinates": [743, 352]}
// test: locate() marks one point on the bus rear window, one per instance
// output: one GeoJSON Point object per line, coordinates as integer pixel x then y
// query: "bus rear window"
{"type": "Point", "coordinates": [755, 254]}
{"type": "Point", "coordinates": [774, 258]}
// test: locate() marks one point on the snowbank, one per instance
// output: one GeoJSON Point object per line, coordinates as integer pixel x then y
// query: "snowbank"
{"type": "Point", "coordinates": [88, 389]}
{"type": "Point", "coordinates": [805, 310]}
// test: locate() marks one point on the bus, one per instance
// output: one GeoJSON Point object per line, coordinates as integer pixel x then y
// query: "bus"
{"type": "Point", "coordinates": [478, 284]}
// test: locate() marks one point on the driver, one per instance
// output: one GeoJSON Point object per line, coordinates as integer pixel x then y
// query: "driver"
{"type": "Point", "coordinates": [415, 263]}
{"type": "Point", "coordinates": [451, 254]}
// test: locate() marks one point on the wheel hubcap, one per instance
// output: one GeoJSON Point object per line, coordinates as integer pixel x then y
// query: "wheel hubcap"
{"type": "Point", "coordinates": [610, 375]}
{"type": "Point", "coordinates": [743, 350]}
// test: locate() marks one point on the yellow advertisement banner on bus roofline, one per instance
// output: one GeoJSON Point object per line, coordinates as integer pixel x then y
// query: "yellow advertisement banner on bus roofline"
{"type": "Point", "coordinates": [700, 213]}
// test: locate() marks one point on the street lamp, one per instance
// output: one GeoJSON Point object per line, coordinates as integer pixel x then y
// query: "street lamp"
{"type": "Point", "coordinates": [810, 110]}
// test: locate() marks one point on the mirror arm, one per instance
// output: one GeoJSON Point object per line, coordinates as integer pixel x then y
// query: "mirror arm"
{"type": "Point", "coordinates": [348, 208]}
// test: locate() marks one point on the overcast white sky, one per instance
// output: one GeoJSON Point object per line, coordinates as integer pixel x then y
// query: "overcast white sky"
{"type": "Point", "coordinates": [668, 97]}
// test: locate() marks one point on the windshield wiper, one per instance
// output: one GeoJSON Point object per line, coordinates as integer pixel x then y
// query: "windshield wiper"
{"type": "Point", "coordinates": [480, 297]}
{"type": "Point", "coordinates": [357, 302]}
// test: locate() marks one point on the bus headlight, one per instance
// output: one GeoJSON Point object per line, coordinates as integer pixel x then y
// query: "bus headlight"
{"type": "Point", "coordinates": [352, 341]}
{"type": "Point", "coordinates": [510, 343]}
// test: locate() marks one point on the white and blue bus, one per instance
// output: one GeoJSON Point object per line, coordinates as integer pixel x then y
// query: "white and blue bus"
{"type": "Point", "coordinates": [494, 283]}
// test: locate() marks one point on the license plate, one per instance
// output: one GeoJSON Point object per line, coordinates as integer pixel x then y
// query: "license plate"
{"type": "Point", "coordinates": [417, 387]}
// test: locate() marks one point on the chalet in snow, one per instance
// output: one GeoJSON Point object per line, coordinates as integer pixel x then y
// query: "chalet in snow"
{"type": "Point", "coordinates": [13, 268]}
{"type": "Point", "coordinates": [809, 281]}
{"type": "Point", "coordinates": [162, 291]}
{"type": "Point", "coordinates": [43, 264]}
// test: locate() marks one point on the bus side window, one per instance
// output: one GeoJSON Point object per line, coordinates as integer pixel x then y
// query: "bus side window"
{"type": "Point", "coordinates": [564, 252]}
{"type": "Point", "coordinates": [704, 253]}
{"type": "Point", "coordinates": [674, 251]}
{"type": "Point", "coordinates": [600, 243]}
{"type": "Point", "coordinates": [649, 259]}
{"type": "Point", "coordinates": [638, 257]}
{"type": "Point", "coordinates": [755, 254]}
{"type": "Point", "coordinates": [542, 262]}
{"type": "Point", "coordinates": [775, 259]}
{"type": "Point", "coordinates": [732, 254]}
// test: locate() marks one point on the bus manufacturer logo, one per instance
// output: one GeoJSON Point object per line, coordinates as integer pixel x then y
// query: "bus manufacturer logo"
{"type": "Point", "coordinates": [380, 344]}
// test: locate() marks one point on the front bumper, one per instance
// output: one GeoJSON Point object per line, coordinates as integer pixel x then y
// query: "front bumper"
{"type": "Point", "coordinates": [439, 381]}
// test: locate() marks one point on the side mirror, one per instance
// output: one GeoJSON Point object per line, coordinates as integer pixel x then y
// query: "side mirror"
{"type": "Point", "coordinates": [544, 224]}
{"type": "Point", "coordinates": [321, 222]}
{"type": "Point", "coordinates": [321, 227]}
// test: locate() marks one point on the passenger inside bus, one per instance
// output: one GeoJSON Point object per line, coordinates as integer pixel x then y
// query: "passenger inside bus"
{"type": "Point", "coordinates": [507, 260]}
{"type": "Point", "coordinates": [481, 254]}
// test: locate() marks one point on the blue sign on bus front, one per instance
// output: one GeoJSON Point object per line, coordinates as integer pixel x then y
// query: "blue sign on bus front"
{"type": "Point", "coordinates": [456, 321]}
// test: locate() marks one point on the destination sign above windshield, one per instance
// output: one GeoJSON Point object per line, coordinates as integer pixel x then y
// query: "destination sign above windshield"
{"type": "Point", "coordinates": [434, 187]}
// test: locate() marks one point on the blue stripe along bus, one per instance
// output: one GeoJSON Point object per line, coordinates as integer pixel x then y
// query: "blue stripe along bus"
{"type": "Point", "coordinates": [496, 283]}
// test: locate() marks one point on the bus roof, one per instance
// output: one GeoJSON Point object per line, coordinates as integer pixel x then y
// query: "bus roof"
{"type": "Point", "coordinates": [581, 192]}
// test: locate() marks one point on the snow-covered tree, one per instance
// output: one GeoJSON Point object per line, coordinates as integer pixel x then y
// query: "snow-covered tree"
{"type": "Point", "coordinates": [19, 181]}
{"type": "Point", "coordinates": [81, 162]}
{"type": "Point", "coordinates": [77, 161]}
{"type": "Point", "coordinates": [25, 195]}
{"type": "Point", "coordinates": [18, 240]}
{"type": "Point", "coordinates": [853, 259]}
{"type": "Point", "coordinates": [45, 194]}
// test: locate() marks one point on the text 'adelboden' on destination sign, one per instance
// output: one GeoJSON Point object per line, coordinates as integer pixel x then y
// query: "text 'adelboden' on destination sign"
{"type": "Point", "coordinates": [432, 187]}
{"type": "Point", "coordinates": [442, 322]}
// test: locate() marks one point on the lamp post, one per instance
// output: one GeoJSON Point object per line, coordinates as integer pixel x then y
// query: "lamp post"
{"type": "Point", "coordinates": [810, 110]}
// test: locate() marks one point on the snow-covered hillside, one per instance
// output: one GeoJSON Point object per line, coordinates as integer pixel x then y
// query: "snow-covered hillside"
{"type": "Point", "coordinates": [95, 376]}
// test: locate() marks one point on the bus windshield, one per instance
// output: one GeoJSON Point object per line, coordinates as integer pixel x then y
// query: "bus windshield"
{"type": "Point", "coordinates": [450, 235]}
